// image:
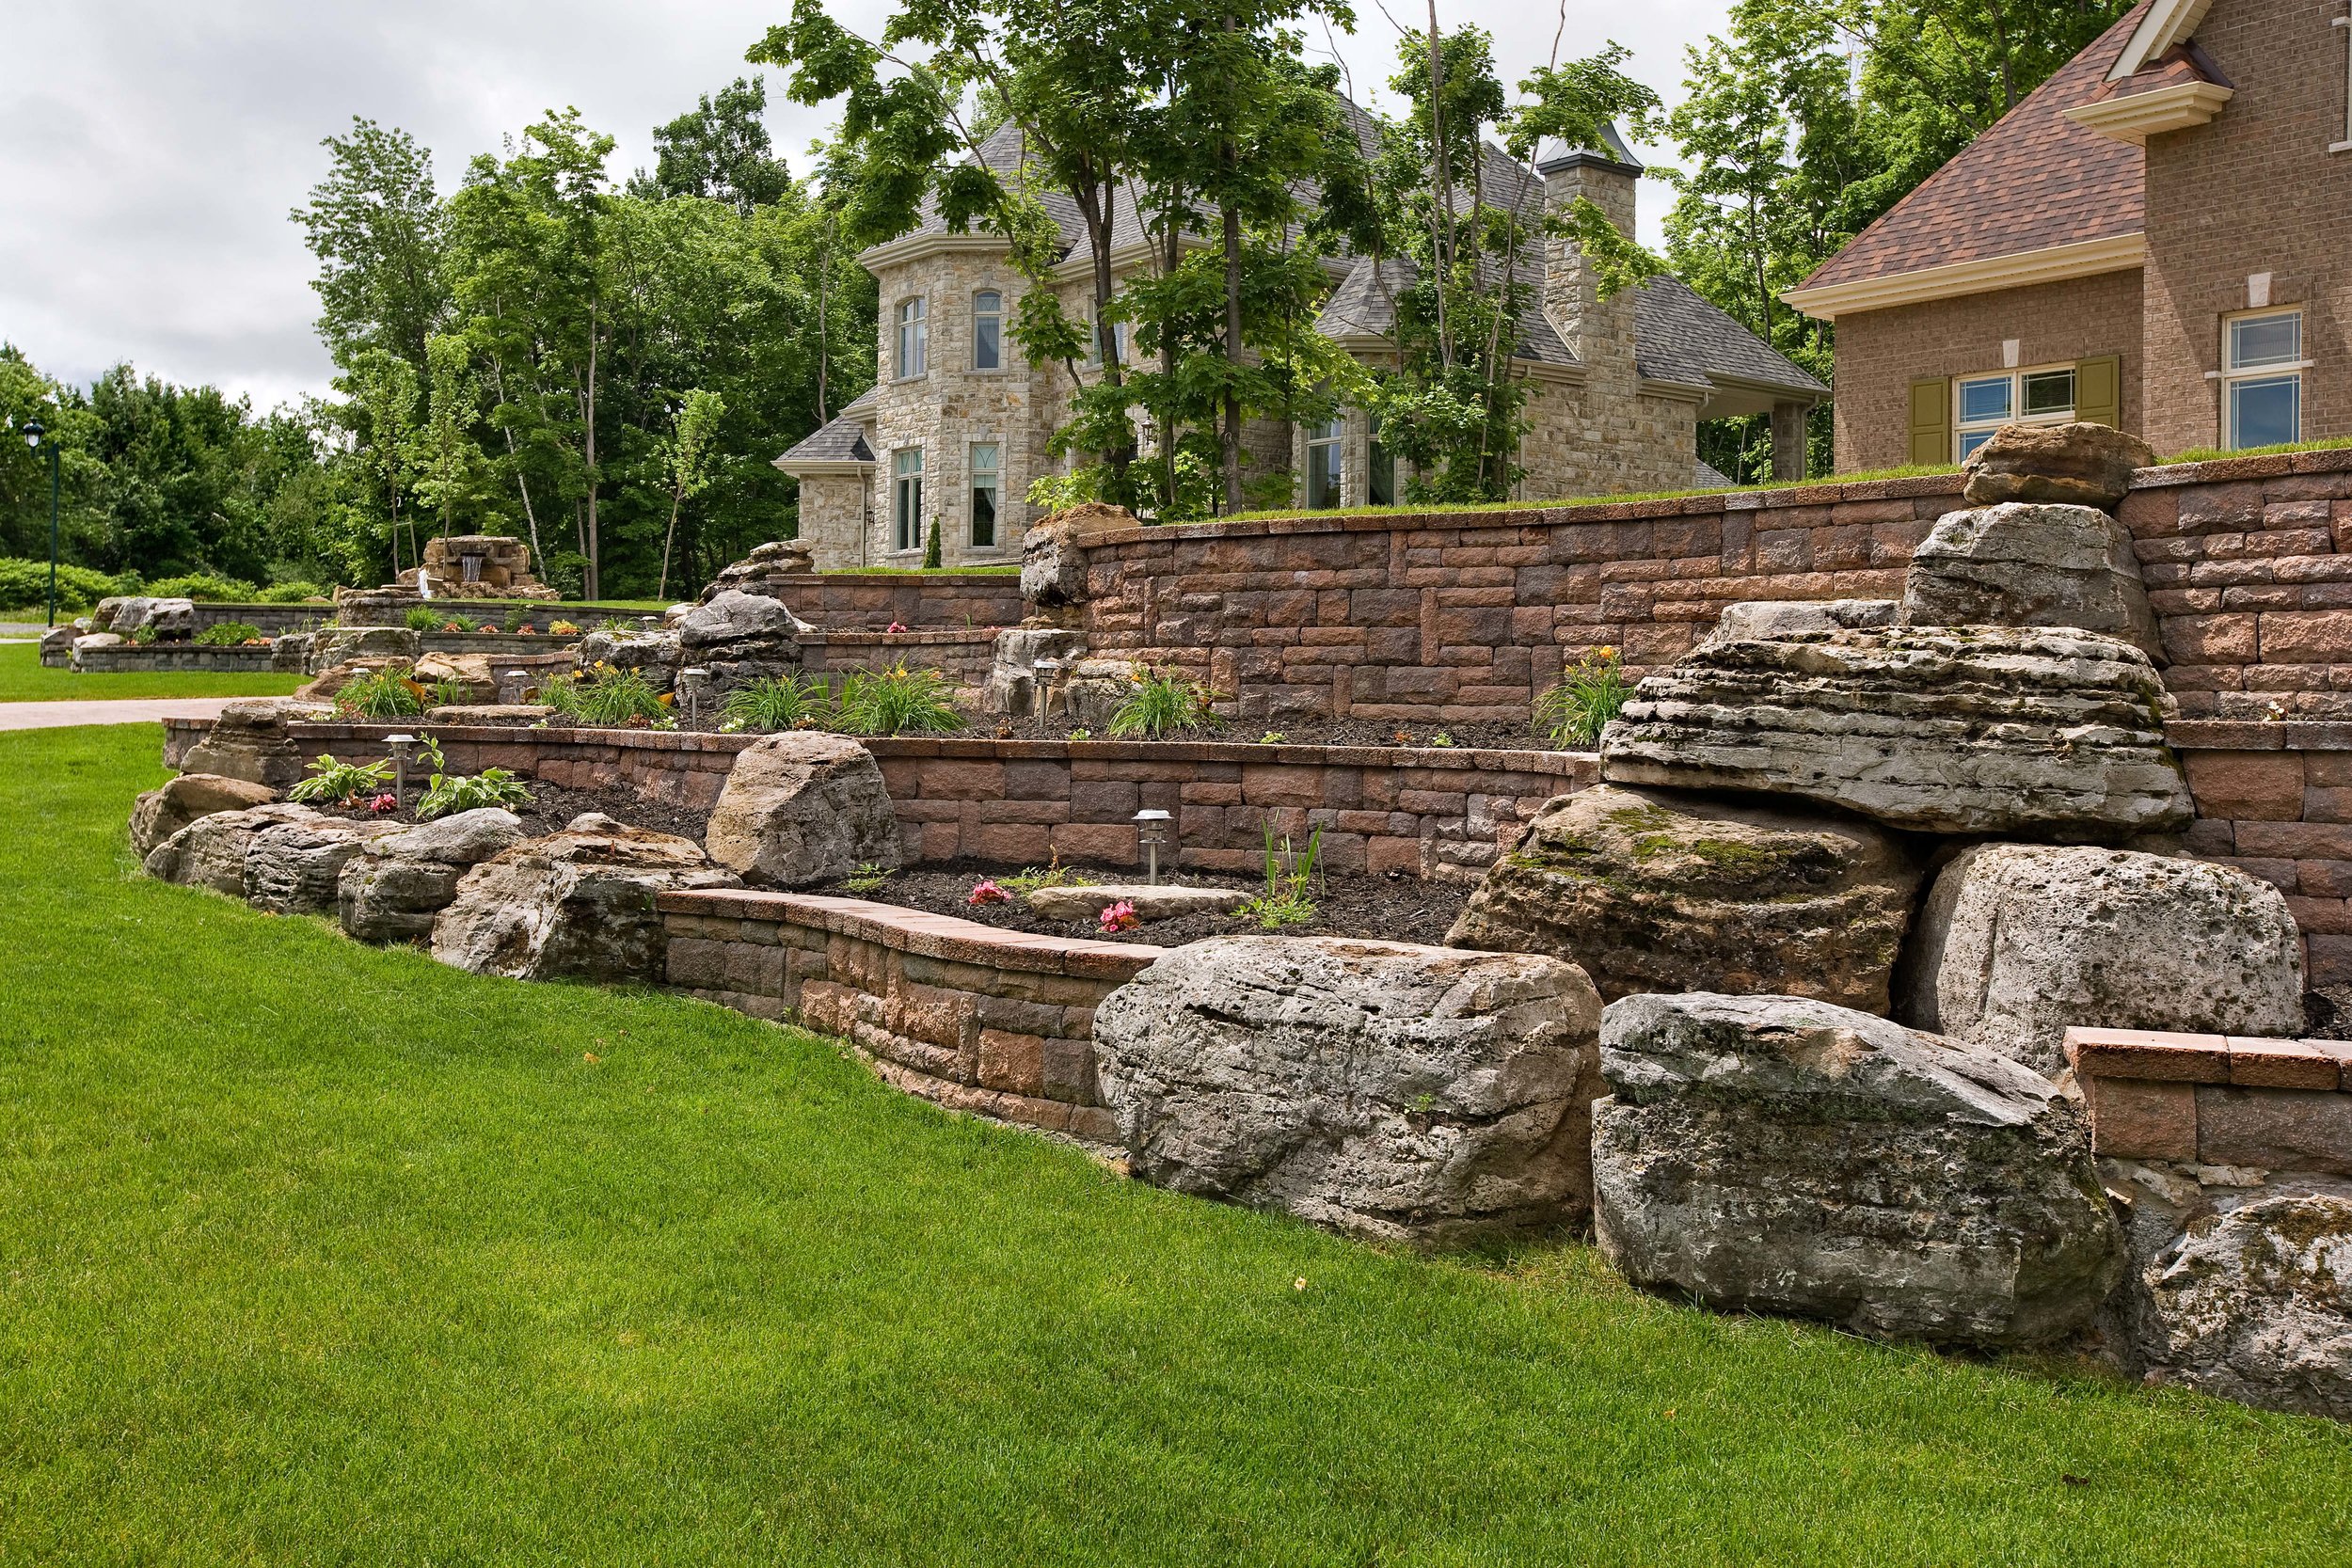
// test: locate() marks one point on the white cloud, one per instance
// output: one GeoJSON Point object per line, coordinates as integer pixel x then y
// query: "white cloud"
{"type": "Point", "coordinates": [150, 152]}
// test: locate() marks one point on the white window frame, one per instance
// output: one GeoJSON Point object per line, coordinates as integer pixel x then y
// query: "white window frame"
{"type": "Point", "coordinates": [1963, 427]}
{"type": "Point", "coordinates": [997, 315]}
{"type": "Point", "coordinates": [994, 469]}
{"type": "Point", "coordinates": [906, 500]}
{"type": "Point", "coordinates": [1331, 438]}
{"type": "Point", "coordinates": [1094, 344]}
{"type": "Point", "coordinates": [2233, 376]}
{"type": "Point", "coordinates": [912, 318]}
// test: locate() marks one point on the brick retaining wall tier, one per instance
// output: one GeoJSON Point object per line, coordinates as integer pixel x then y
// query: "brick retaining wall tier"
{"type": "Point", "coordinates": [996, 1022]}
{"type": "Point", "coordinates": [175, 656]}
{"type": "Point", "coordinates": [2216, 1099]}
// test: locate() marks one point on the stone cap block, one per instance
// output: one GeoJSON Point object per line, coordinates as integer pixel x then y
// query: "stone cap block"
{"type": "Point", "coordinates": [2240, 1061]}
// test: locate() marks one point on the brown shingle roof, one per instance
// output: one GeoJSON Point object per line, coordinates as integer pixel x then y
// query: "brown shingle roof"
{"type": "Point", "coordinates": [2035, 180]}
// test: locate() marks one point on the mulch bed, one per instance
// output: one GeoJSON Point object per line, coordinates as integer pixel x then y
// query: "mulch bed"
{"type": "Point", "coordinates": [1393, 909]}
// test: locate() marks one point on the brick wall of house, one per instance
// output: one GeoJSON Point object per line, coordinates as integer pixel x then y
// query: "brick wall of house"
{"type": "Point", "coordinates": [2255, 191]}
{"type": "Point", "coordinates": [1880, 353]}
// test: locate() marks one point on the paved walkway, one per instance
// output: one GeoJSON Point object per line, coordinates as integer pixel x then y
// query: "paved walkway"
{"type": "Point", "coordinates": [51, 716]}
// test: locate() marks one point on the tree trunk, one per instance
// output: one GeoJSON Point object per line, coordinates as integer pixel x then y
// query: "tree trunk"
{"type": "Point", "coordinates": [1230, 441]}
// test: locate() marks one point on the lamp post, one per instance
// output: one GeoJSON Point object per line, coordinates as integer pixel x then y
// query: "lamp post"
{"type": "Point", "coordinates": [1152, 830]}
{"type": "Point", "coordinates": [402, 746]}
{"type": "Point", "coordinates": [34, 431]}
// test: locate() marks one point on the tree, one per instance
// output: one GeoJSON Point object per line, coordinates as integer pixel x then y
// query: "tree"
{"type": "Point", "coordinates": [451, 470]}
{"type": "Point", "coordinates": [376, 227]}
{"type": "Point", "coordinates": [685, 462]}
{"type": "Point", "coordinates": [719, 150]}
{"type": "Point", "coordinates": [381, 396]}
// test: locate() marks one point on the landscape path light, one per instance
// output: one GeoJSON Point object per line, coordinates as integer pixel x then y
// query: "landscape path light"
{"type": "Point", "coordinates": [691, 682]}
{"type": "Point", "coordinates": [34, 431]}
{"type": "Point", "coordinates": [1048, 670]}
{"type": "Point", "coordinates": [1153, 831]}
{"type": "Point", "coordinates": [520, 683]}
{"type": "Point", "coordinates": [403, 746]}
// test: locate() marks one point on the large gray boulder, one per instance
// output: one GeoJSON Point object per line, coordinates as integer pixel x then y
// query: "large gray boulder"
{"type": "Point", "coordinates": [741, 637]}
{"type": "Point", "coordinates": [1774, 1154]}
{"type": "Point", "coordinates": [2013, 730]}
{"type": "Point", "coordinates": [57, 644]}
{"type": "Point", "coordinates": [392, 890]}
{"type": "Point", "coordinates": [293, 869]}
{"type": "Point", "coordinates": [2080, 465]}
{"type": "Point", "coordinates": [803, 808]}
{"type": "Point", "coordinates": [171, 620]}
{"type": "Point", "coordinates": [1053, 553]}
{"type": "Point", "coordinates": [161, 812]}
{"type": "Point", "coordinates": [210, 852]}
{"type": "Point", "coordinates": [771, 568]}
{"type": "Point", "coordinates": [1092, 690]}
{"type": "Point", "coordinates": [1749, 619]}
{"type": "Point", "coordinates": [2026, 565]}
{"type": "Point", "coordinates": [1011, 688]}
{"type": "Point", "coordinates": [251, 740]}
{"type": "Point", "coordinates": [656, 654]}
{"type": "Point", "coordinates": [350, 644]}
{"type": "Point", "coordinates": [577, 905]}
{"type": "Point", "coordinates": [1380, 1088]}
{"type": "Point", "coordinates": [2018, 942]}
{"type": "Point", "coordinates": [1658, 890]}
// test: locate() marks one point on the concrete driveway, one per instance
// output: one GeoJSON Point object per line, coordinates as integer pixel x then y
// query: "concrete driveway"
{"type": "Point", "coordinates": [135, 710]}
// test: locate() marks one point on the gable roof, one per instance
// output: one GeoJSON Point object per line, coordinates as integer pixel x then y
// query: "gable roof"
{"type": "Point", "coordinates": [840, 439]}
{"type": "Point", "coordinates": [2035, 182]}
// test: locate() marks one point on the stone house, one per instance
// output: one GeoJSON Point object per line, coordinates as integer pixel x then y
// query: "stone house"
{"type": "Point", "coordinates": [957, 426]}
{"type": "Point", "coordinates": [2152, 239]}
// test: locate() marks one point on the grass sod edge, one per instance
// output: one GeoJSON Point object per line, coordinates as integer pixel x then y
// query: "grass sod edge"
{"type": "Point", "coordinates": [314, 1250]}
{"type": "Point", "coordinates": [24, 680]}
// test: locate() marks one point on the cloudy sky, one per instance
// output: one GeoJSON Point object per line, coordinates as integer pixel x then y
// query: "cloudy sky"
{"type": "Point", "coordinates": [149, 149]}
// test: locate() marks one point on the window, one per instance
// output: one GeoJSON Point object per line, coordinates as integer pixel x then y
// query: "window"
{"type": "Point", "coordinates": [2261, 379]}
{"type": "Point", "coordinates": [1380, 475]}
{"type": "Point", "coordinates": [1322, 464]}
{"type": "Point", "coordinates": [988, 330]}
{"type": "Point", "coordinates": [914, 338]}
{"type": "Point", "coordinates": [906, 498]}
{"type": "Point", "coordinates": [986, 478]}
{"type": "Point", "coordinates": [1986, 403]}
{"type": "Point", "coordinates": [1094, 340]}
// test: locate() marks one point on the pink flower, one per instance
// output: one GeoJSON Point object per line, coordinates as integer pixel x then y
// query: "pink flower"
{"type": "Point", "coordinates": [895, 625]}
{"type": "Point", "coordinates": [1121, 916]}
{"type": "Point", "coordinates": [383, 804]}
{"type": "Point", "coordinates": [987, 892]}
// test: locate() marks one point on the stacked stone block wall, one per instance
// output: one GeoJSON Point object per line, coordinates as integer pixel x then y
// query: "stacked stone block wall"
{"type": "Point", "coordinates": [2214, 1099]}
{"type": "Point", "coordinates": [173, 656]}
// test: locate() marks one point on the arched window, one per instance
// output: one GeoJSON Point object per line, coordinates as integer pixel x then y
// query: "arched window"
{"type": "Point", "coordinates": [988, 330]}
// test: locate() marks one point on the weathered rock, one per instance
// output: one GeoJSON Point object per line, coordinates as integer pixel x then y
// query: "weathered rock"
{"type": "Point", "coordinates": [102, 614]}
{"type": "Point", "coordinates": [1012, 680]}
{"type": "Point", "coordinates": [1790, 1156]}
{"type": "Point", "coordinates": [1151, 901]}
{"type": "Point", "coordinates": [1380, 1088]}
{"type": "Point", "coordinates": [481, 566]}
{"type": "Point", "coordinates": [2080, 463]}
{"type": "Point", "coordinates": [2016, 730]}
{"type": "Point", "coordinates": [2025, 565]}
{"type": "Point", "coordinates": [56, 645]}
{"type": "Point", "coordinates": [1093, 689]}
{"type": "Point", "coordinates": [328, 683]}
{"type": "Point", "coordinates": [250, 741]}
{"type": "Point", "coordinates": [1774, 618]}
{"type": "Point", "coordinates": [1655, 889]}
{"type": "Point", "coordinates": [293, 869]}
{"type": "Point", "coordinates": [802, 808]}
{"type": "Point", "coordinates": [477, 674]}
{"type": "Point", "coordinates": [741, 637]}
{"type": "Point", "coordinates": [290, 654]}
{"type": "Point", "coordinates": [209, 851]}
{"type": "Point", "coordinates": [394, 887]}
{"type": "Point", "coordinates": [520, 714]}
{"type": "Point", "coordinates": [575, 904]}
{"type": "Point", "coordinates": [769, 568]}
{"type": "Point", "coordinates": [349, 644]}
{"type": "Point", "coordinates": [1053, 553]}
{"type": "Point", "coordinates": [161, 812]}
{"type": "Point", "coordinates": [170, 620]}
{"type": "Point", "coordinates": [2241, 1292]}
{"type": "Point", "coordinates": [94, 641]}
{"type": "Point", "coordinates": [656, 654]}
{"type": "Point", "coordinates": [2017, 941]}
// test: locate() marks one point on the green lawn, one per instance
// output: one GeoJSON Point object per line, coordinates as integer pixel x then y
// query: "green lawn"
{"type": "Point", "coordinates": [23, 680]}
{"type": "Point", "coordinates": [315, 1253]}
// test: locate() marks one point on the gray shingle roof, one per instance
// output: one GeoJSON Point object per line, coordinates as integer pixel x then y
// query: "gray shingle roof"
{"type": "Point", "coordinates": [840, 439]}
{"type": "Point", "coordinates": [1677, 333]}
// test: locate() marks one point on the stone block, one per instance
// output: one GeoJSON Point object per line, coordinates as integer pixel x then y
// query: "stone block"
{"type": "Point", "coordinates": [2134, 1119]}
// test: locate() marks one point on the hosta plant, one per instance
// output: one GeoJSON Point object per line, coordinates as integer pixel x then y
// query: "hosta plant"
{"type": "Point", "coordinates": [334, 783]}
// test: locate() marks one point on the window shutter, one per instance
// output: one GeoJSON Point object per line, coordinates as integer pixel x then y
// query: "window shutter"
{"type": "Point", "coordinates": [2099, 390]}
{"type": "Point", "coordinates": [1931, 423]}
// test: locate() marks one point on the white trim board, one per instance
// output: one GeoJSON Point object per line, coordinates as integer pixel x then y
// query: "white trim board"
{"type": "Point", "coordinates": [2020, 269]}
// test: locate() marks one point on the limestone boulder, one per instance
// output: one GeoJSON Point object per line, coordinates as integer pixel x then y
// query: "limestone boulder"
{"type": "Point", "coordinates": [294, 867]}
{"type": "Point", "coordinates": [578, 905]}
{"type": "Point", "coordinates": [91, 643]}
{"type": "Point", "coordinates": [348, 644]}
{"type": "Point", "coordinates": [1380, 1088]}
{"type": "Point", "coordinates": [56, 645]}
{"type": "Point", "coordinates": [740, 636]}
{"type": "Point", "coordinates": [210, 852]}
{"type": "Point", "coordinates": [1788, 1156]}
{"type": "Point", "coordinates": [1011, 688]}
{"type": "Point", "coordinates": [1772, 618]}
{"type": "Point", "coordinates": [171, 620]}
{"type": "Point", "coordinates": [251, 740]}
{"type": "Point", "coordinates": [328, 683]}
{"type": "Point", "coordinates": [518, 715]}
{"type": "Point", "coordinates": [395, 886]}
{"type": "Point", "coordinates": [290, 653]}
{"type": "Point", "coordinates": [475, 674]}
{"type": "Point", "coordinates": [161, 812]}
{"type": "Point", "coordinates": [2031, 564]}
{"type": "Point", "coordinates": [769, 568]}
{"type": "Point", "coordinates": [1053, 553]}
{"type": "Point", "coordinates": [1091, 690]}
{"type": "Point", "coordinates": [803, 808]}
{"type": "Point", "coordinates": [102, 613]}
{"type": "Point", "coordinates": [1650, 890]}
{"type": "Point", "coordinates": [2079, 465]}
{"type": "Point", "coordinates": [2022, 731]}
{"type": "Point", "coordinates": [655, 654]}
{"type": "Point", "coordinates": [2018, 942]}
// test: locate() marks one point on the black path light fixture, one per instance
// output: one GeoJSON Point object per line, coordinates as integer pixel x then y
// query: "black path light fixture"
{"type": "Point", "coordinates": [34, 431]}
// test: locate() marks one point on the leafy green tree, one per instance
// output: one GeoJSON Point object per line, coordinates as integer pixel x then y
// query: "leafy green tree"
{"type": "Point", "coordinates": [719, 150]}
{"type": "Point", "coordinates": [685, 462]}
{"type": "Point", "coordinates": [375, 226]}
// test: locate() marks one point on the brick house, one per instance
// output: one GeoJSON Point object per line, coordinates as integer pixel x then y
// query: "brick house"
{"type": "Point", "coordinates": [957, 426]}
{"type": "Point", "coordinates": [2151, 239]}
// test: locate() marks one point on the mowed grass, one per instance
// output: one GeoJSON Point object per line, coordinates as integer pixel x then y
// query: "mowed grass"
{"type": "Point", "coordinates": [316, 1253]}
{"type": "Point", "coordinates": [23, 680]}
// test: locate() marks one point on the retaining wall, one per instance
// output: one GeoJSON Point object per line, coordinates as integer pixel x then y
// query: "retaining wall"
{"type": "Point", "coordinates": [172, 655]}
{"type": "Point", "coordinates": [2214, 1099]}
{"type": "Point", "coordinates": [997, 1022]}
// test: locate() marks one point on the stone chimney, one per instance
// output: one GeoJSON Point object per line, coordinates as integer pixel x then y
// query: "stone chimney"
{"type": "Point", "coordinates": [1599, 335]}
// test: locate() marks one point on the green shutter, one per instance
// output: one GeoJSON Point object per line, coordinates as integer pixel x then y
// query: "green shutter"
{"type": "Point", "coordinates": [1931, 423]}
{"type": "Point", "coordinates": [2099, 390]}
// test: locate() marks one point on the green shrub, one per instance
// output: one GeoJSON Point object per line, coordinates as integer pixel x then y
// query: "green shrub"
{"type": "Point", "coordinates": [1162, 706]}
{"type": "Point", "coordinates": [335, 784]}
{"type": "Point", "coordinates": [774, 703]}
{"type": "Point", "coordinates": [896, 700]}
{"type": "Point", "coordinates": [605, 696]}
{"type": "Point", "coordinates": [446, 793]}
{"type": "Point", "coordinates": [380, 694]}
{"type": "Point", "coordinates": [1590, 693]}
{"type": "Point", "coordinates": [201, 585]}
{"type": "Point", "coordinates": [24, 585]}
{"type": "Point", "coordinates": [423, 618]}
{"type": "Point", "coordinates": [291, 592]}
{"type": "Point", "coordinates": [229, 634]}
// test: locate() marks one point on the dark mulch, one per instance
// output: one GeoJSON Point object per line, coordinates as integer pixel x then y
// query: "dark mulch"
{"type": "Point", "coordinates": [1393, 909]}
{"type": "Point", "coordinates": [2328, 1013]}
{"type": "Point", "coordinates": [552, 807]}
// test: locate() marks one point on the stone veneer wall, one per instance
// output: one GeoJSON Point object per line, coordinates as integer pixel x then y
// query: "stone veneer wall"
{"type": "Point", "coordinates": [997, 1022]}
{"type": "Point", "coordinates": [174, 655]}
{"type": "Point", "coordinates": [963, 657]}
{"type": "Point", "coordinates": [2214, 1099]}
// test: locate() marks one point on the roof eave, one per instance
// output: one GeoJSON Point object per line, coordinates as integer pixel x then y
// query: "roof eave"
{"type": "Point", "coordinates": [2135, 117]}
{"type": "Point", "coordinates": [1987, 275]}
{"type": "Point", "coordinates": [908, 248]}
{"type": "Point", "coordinates": [2168, 24]}
{"type": "Point", "coordinates": [821, 468]}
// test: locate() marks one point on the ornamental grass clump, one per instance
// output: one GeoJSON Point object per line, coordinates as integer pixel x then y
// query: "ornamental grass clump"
{"type": "Point", "coordinates": [380, 694]}
{"type": "Point", "coordinates": [1289, 881]}
{"type": "Point", "coordinates": [774, 703]}
{"type": "Point", "coordinates": [1162, 706]}
{"type": "Point", "coordinates": [606, 697]}
{"type": "Point", "coordinates": [896, 700]}
{"type": "Point", "coordinates": [426, 618]}
{"type": "Point", "coordinates": [1590, 693]}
